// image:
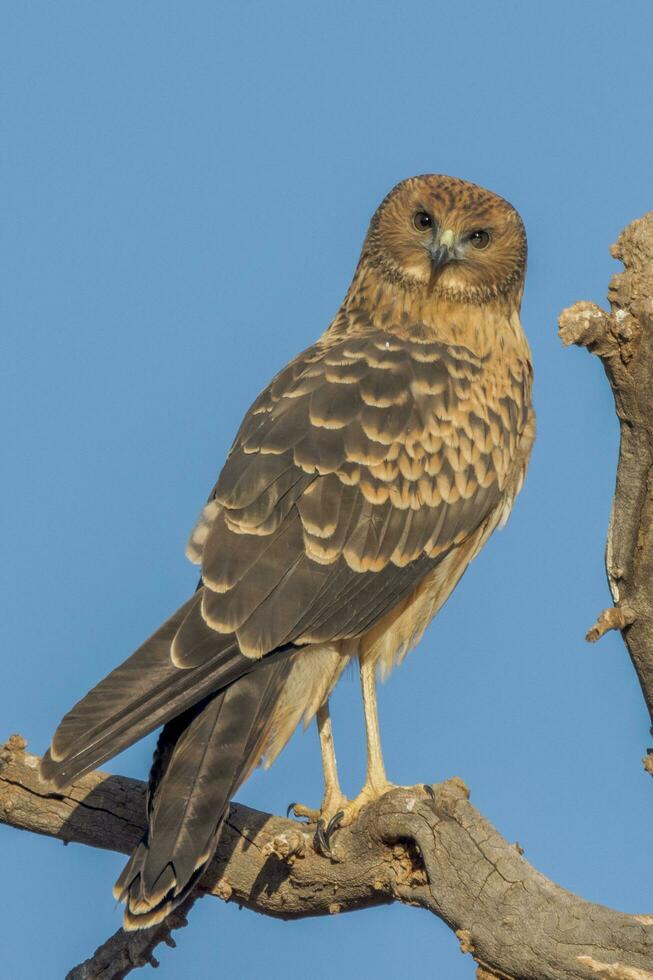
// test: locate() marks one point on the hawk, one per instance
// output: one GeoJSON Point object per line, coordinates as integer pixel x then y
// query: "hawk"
{"type": "Point", "coordinates": [360, 485]}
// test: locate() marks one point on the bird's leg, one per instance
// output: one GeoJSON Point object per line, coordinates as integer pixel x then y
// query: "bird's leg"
{"type": "Point", "coordinates": [376, 782]}
{"type": "Point", "coordinates": [333, 800]}
{"type": "Point", "coordinates": [336, 811]}
{"type": "Point", "coordinates": [333, 796]}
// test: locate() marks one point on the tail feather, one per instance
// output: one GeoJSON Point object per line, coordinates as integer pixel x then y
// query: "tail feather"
{"type": "Point", "coordinates": [216, 714]}
{"type": "Point", "coordinates": [201, 759]}
{"type": "Point", "coordinates": [144, 692]}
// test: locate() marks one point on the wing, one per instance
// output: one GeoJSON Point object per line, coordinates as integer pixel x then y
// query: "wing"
{"type": "Point", "coordinates": [359, 468]}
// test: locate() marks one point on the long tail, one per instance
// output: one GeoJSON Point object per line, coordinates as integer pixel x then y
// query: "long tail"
{"type": "Point", "coordinates": [215, 716]}
{"type": "Point", "coordinates": [201, 759]}
{"type": "Point", "coordinates": [146, 691]}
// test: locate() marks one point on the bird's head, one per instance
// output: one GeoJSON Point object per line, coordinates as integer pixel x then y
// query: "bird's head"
{"type": "Point", "coordinates": [448, 237]}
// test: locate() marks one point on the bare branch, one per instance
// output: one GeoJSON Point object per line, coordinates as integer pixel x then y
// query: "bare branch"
{"type": "Point", "coordinates": [436, 852]}
{"type": "Point", "coordinates": [623, 339]}
{"type": "Point", "coordinates": [614, 618]}
{"type": "Point", "coordinates": [127, 951]}
{"type": "Point", "coordinates": [615, 971]}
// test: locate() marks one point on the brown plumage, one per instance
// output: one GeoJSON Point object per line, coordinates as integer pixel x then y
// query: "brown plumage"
{"type": "Point", "coordinates": [360, 485]}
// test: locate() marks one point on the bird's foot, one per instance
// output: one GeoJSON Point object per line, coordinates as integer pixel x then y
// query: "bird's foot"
{"type": "Point", "coordinates": [337, 811]}
{"type": "Point", "coordinates": [332, 802]}
{"type": "Point", "coordinates": [372, 790]}
{"type": "Point", "coordinates": [346, 814]}
{"type": "Point", "coordinates": [299, 811]}
{"type": "Point", "coordinates": [327, 819]}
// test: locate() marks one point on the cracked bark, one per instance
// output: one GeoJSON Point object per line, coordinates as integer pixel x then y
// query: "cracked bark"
{"type": "Point", "coordinates": [439, 854]}
{"type": "Point", "coordinates": [623, 340]}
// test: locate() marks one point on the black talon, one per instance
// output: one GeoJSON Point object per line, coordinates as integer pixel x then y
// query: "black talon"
{"type": "Point", "coordinates": [322, 840]}
{"type": "Point", "coordinates": [324, 833]}
{"type": "Point", "coordinates": [334, 824]}
{"type": "Point", "coordinates": [291, 809]}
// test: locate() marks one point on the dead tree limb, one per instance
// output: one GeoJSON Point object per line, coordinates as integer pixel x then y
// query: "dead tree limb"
{"type": "Point", "coordinates": [623, 340]}
{"type": "Point", "coordinates": [429, 849]}
{"type": "Point", "coordinates": [433, 850]}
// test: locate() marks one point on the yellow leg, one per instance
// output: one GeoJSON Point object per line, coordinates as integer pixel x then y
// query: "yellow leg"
{"type": "Point", "coordinates": [336, 811]}
{"type": "Point", "coordinates": [376, 782]}
{"type": "Point", "coordinates": [333, 799]}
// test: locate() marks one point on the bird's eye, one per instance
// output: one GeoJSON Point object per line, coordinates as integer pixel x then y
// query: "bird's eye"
{"type": "Point", "coordinates": [480, 238]}
{"type": "Point", "coordinates": [422, 220]}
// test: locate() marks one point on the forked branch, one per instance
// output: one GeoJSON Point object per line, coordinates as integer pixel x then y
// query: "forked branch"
{"type": "Point", "coordinates": [430, 850]}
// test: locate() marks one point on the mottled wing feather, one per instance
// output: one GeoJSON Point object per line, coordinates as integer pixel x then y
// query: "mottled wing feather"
{"type": "Point", "coordinates": [362, 464]}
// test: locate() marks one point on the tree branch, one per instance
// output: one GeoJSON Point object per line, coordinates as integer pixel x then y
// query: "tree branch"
{"type": "Point", "coordinates": [433, 850]}
{"type": "Point", "coordinates": [623, 340]}
{"type": "Point", "coordinates": [127, 951]}
{"type": "Point", "coordinates": [430, 850]}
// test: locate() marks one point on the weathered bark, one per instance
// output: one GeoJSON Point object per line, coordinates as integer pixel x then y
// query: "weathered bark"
{"type": "Point", "coordinates": [426, 848]}
{"type": "Point", "coordinates": [126, 951]}
{"type": "Point", "coordinates": [623, 339]}
{"type": "Point", "coordinates": [422, 847]}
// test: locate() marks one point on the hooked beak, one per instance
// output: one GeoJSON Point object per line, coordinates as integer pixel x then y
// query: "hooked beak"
{"type": "Point", "coordinates": [442, 249]}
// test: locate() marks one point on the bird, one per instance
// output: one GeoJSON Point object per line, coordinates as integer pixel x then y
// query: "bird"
{"type": "Point", "coordinates": [360, 485]}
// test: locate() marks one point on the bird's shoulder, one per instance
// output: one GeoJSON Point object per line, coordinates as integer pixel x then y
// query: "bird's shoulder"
{"type": "Point", "coordinates": [409, 422]}
{"type": "Point", "coordinates": [363, 463]}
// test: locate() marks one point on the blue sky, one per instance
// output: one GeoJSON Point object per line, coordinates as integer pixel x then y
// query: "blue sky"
{"type": "Point", "coordinates": [185, 190]}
